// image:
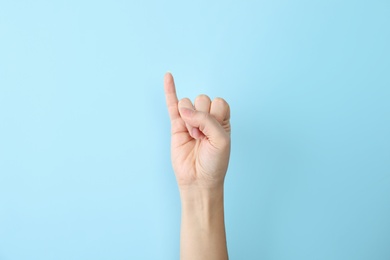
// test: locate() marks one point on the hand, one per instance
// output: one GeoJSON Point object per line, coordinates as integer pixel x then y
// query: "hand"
{"type": "Point", "coordinates": [200, 144]}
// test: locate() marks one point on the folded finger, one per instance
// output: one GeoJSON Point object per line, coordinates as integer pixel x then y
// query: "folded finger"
{"type": "Point", "coordinates": [220, 110]}
{"type": "Point", "coordinates": [202, 103]}
{"type": "Point", "coordinates": [186, 103]}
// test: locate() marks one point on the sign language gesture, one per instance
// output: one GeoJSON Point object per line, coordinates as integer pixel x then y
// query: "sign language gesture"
{"type": "Point", "coordinates": [200, 144]}
{"type": "Point", "coordinates": [200, 150]}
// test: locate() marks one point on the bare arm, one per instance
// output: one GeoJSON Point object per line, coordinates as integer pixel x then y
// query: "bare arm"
{"type": "Point", "coordinates": [202, 226]}
{"type": "Point", "coordinates": [200, 150]}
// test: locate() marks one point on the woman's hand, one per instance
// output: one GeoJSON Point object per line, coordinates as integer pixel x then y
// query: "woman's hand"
{"type": "Point", "coordinates": [200, 151]}
{"type": "Point", "coordinates": [200, 144]}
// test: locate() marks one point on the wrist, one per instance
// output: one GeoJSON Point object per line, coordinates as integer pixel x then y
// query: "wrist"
{"type": "Point", "coordinates": [202, 221]}
{"type": "Point", "coordinates": [202, 199]}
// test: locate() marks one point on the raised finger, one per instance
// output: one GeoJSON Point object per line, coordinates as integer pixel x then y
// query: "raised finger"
{"type": "Point", "coordinates": [170, 96]}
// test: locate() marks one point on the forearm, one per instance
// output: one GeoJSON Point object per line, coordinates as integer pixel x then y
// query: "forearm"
{"type": "Point", "coordinates": [202, 225]}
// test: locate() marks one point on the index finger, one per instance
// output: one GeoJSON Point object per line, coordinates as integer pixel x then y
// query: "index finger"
{"type": "Point", "coordinates": [170, 96]}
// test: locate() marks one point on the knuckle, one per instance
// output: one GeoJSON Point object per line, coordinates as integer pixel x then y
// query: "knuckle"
{"type": "Point", "coordinates": [220, 100]}
{"type": "Point", "coordinates": [203, 97]}
{"type": "Point", "coordinates": [184, 100]}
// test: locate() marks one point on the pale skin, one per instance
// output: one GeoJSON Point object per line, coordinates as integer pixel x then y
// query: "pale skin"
{"type": "Point", "coordinates": [200, 151]}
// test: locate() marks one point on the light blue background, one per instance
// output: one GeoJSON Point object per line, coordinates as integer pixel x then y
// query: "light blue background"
{"type": "Point", "coordinates": [84, 135]}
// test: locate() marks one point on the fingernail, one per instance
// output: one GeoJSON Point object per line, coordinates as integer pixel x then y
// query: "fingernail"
{"type": "Point", "coordinates": [168, 77]}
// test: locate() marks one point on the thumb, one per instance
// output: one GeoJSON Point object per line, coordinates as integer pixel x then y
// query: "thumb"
{"type": "Point", "coordinates": [206, 123]}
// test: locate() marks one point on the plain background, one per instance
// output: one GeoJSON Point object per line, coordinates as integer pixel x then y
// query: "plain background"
{"type": "Point", "coordinates": [85, 168]}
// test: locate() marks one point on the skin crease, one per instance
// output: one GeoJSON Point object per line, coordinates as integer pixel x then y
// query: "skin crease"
{"type": "Point", "coordinates": [200, 151]}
